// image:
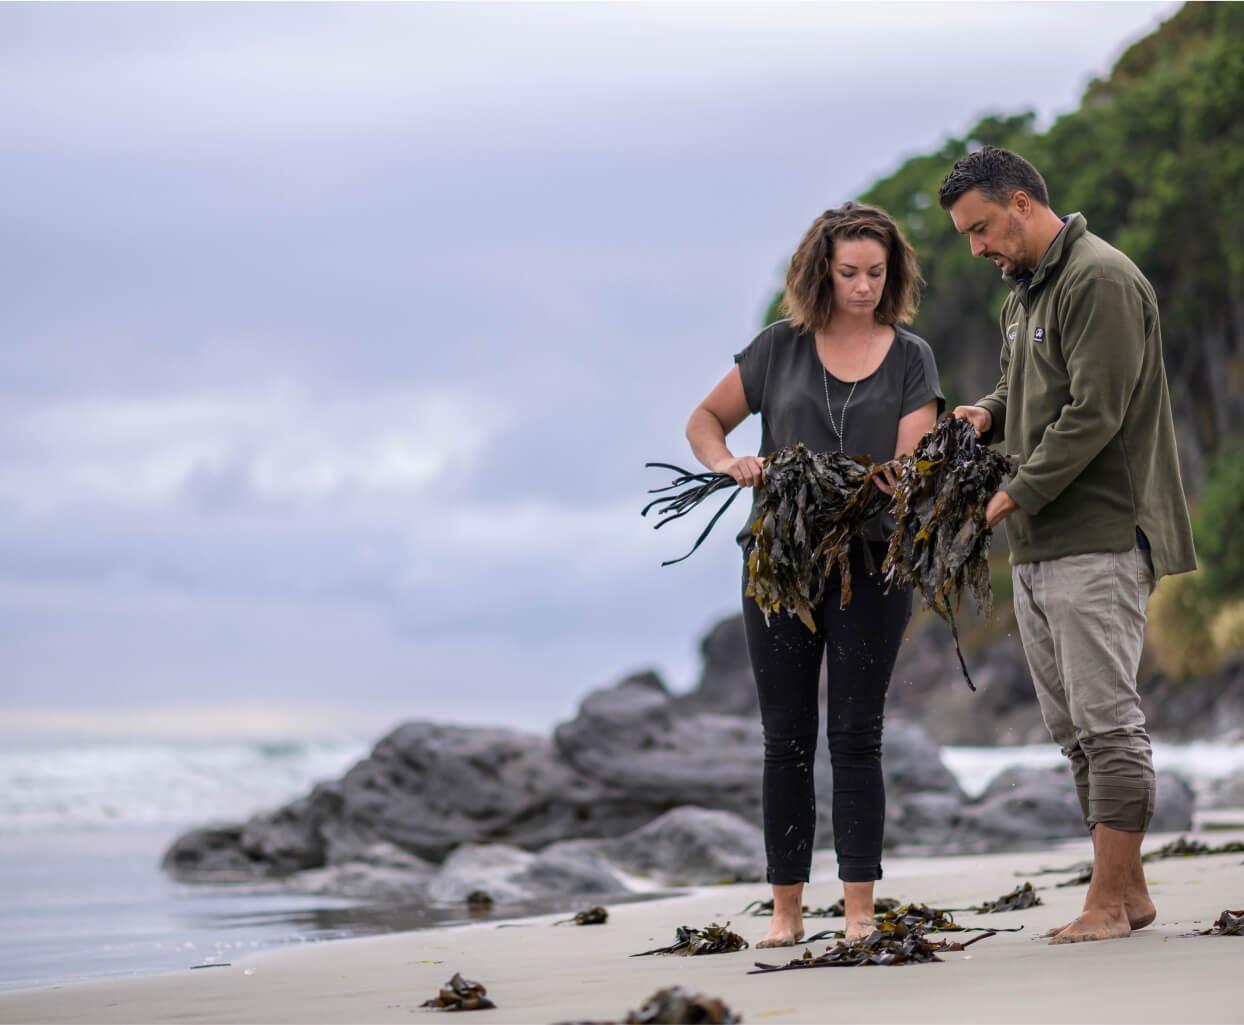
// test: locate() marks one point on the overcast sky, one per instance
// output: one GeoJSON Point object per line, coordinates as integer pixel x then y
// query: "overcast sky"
{"type": "Point", "coordinates": [335, 337]}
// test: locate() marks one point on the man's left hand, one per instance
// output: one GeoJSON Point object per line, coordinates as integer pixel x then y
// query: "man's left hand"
{"type": "Point", "coordinates": [1000, 507]}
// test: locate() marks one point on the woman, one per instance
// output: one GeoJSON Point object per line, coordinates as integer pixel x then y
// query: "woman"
{"type": "Point", "coordinates": [841, 374]}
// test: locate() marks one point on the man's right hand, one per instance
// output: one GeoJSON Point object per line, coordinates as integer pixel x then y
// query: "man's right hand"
{"type": "Point", "coordinates": [746, 470]}
{"type": "Point", "coordinates": [978, 416]}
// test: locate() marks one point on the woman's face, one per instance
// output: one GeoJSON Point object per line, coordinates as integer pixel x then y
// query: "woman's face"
{"type": "Point", "coordinates": [858, 269]}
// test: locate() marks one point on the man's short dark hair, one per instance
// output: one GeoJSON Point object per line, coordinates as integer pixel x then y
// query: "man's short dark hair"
{"type": "Point", "coordinates": [998, 173]}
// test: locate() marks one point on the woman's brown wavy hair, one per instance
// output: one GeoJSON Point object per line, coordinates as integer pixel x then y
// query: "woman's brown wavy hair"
{"type": "Point", "coordinates": [809, 295]}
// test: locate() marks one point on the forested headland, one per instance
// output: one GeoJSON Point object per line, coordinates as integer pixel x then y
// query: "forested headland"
{"type": "Point", "coordinates": [1154, 159]}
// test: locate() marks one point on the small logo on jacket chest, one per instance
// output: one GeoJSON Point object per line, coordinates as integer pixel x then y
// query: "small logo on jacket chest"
{"type": "Point", "coordinates": [1012, 333]}
{"type": "Point", "coordinates": [1038, 335]}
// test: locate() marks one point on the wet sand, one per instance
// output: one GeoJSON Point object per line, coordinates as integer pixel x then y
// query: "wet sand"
{"type": "Point", "coordinates": [539, 973]}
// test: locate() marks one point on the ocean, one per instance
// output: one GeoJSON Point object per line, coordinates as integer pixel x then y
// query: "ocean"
{"type": "Point", "coordinates": [83, 823]}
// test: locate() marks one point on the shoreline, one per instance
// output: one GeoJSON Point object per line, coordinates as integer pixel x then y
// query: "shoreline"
{"type": "Point", "coordinates": [572, 973]}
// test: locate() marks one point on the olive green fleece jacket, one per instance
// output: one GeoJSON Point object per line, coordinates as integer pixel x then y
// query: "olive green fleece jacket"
{"type": "Point", "coordinates": [1083, 407]}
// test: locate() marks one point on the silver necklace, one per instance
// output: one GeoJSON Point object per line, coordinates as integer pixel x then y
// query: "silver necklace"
{"type": "Point", "coordinates": [838, 430]}
{"type": "Point", "coordinates": [840, 426]}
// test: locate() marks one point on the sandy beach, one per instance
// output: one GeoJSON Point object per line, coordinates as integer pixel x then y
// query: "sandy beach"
{"type": "Point", "coordinates": [539, 973]}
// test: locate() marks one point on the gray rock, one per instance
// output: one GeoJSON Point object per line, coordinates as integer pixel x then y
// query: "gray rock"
{"type": "Point", "coordinates": [1227, 792]}
{"type": "Point", "coordinates": [212, 854]}
{"type": "Point", "coordinates": [1173, 804]}
{"type": "Point", "coordinates": [361, 880]}
{"type": "Point", "coordinates": [634, 737]}
{"type": "Point", "coordinates": [692, 846]}
{"type": "Point", "coordinates": [511, 875]}
{"type": "Point", "coordinates": [924, 821]}
{"type": "Point", "coordinates": [927, 685]}
{"type": "Point", "coordinates": [426, 788]}
{"type": "Point", "coordinates": [912, 763]}
{"type": "Point", "coordinates": [726, 684]}
{"type": "Point", "coordinates": [1022, 808]}
{"type": "Point", "coordinates": [1211, 708]}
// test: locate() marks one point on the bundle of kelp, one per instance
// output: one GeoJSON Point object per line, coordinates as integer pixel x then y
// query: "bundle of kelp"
{"type": "Point", "coordinates": [941, 543]}
{"type": "Point", "coordinates": [808, 509]}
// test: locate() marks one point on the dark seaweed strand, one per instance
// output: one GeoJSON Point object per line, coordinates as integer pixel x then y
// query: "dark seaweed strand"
{"type": "Point", "coordinates": [673, 507]}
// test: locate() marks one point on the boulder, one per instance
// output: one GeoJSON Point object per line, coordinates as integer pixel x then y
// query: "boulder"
{"type": "Point", "coordinates": [1173, 804]}
{"type": "Point", "coordinates": [635, 738]}
{"type": "Point", "coordinates": [1021, 807]}
{"type": "Point", "coordinates": [726, 684]}
{"type": "Point", "coordinates": [511, 875]}
{"type": "Point", "coordinates": [692, 846]}
{"type": "Point", "coordinates": [1227, 792]}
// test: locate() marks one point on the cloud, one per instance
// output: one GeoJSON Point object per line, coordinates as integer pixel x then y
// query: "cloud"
{"type": "Point", "coordinates": [281, 444]}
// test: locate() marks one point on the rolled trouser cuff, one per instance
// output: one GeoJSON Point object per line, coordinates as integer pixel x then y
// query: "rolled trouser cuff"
{"type": "Point", "coordinates": [859, 873]}
{"type": "Point", "coordinates": [1122, 784]}
{"type": "Point", "coordinates": [786, 875]}
{"type": "Point", "coordinates": [1123, 804]}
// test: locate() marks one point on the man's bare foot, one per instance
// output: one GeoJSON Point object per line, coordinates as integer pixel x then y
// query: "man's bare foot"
{"type": "Point", "coordinates": [783, 933]}
{"type": "Point", "coordinates": [860, 928]}
{"type": "Point", "coordinates": [1140, 912]}
{"type": "Point", "coordinates": [1094, 925]}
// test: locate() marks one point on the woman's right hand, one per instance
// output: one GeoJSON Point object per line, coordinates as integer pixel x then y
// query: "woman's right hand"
{"type": "Point", "coordinates": [746, 470]}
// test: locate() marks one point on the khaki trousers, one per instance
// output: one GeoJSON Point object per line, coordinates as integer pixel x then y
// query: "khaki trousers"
{"type": "Point", "coordinates": [1082, 623]}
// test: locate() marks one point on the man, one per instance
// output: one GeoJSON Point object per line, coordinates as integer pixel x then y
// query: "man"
{"type": "Point", "coordinates": [1095, 513]}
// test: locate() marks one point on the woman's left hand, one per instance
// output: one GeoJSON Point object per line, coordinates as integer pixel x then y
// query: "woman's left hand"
{"type": "Point", "coordinates": [887, 479]}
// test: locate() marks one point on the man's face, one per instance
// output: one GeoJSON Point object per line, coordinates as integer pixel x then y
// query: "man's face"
{"type": "Point", "coordinates": [994, 231]}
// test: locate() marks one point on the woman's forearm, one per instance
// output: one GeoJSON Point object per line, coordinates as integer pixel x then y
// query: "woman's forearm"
{"type": "Point", "coordinates": [708, 439]}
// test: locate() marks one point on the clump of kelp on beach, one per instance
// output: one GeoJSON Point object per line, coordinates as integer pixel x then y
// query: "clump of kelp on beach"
{"type": "Point", "coordinates": [712, 939]}
{"type": "Point", "coordinates": [810, 507]}
{"type": "Point", "coordinates": [460, 994]}
{"type": "Point", "coordinates": [675, 1005]}
{"type": "Point", "coordinates": [891, 944]}
{"type": "Point", "coordinates": [589, 916]}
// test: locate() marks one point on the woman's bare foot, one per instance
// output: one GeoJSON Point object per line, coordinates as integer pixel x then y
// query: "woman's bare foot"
{"type": "Point", "coordinates": [1094, 924]}
{"type": "Point", "coordinates": [860, 928]}
{"type": "Point", "coordinates": [786, 928]}
{"type": "Point", "coordinates": [783, 932]}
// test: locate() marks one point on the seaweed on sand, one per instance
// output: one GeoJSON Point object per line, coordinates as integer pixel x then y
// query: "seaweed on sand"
{"type": "Point", "coordinates": [713, 939]}
{"type": "Point", "coordinates": [892, 943]}
{"type": "Point", "coordinates": [592, 916]}
{"type": "Point", "coordinates": [1185, 848]}
{"type": "Point", "coordinates": [1018, 899]}
{"type": "Point", "coordinates": [941, 543]}
{"type": "Point", "coordinates": [1229, 923]}
{"type": "Point", "coordinates": [676, 1006]}
{"type": "Point", "coordinates": [917, 916]}
{"type": "Point", "coordinates": [460, 994]}
{"type": "Point", "coordinates": [1081, 878]}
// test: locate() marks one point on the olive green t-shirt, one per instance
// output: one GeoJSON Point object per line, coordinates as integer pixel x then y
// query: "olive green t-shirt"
{"type": "Point", "coordinates": [786, 383]}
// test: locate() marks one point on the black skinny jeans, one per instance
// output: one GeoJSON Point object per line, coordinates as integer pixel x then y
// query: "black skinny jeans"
{"type": "Point", "coordinates": [862, 642]}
